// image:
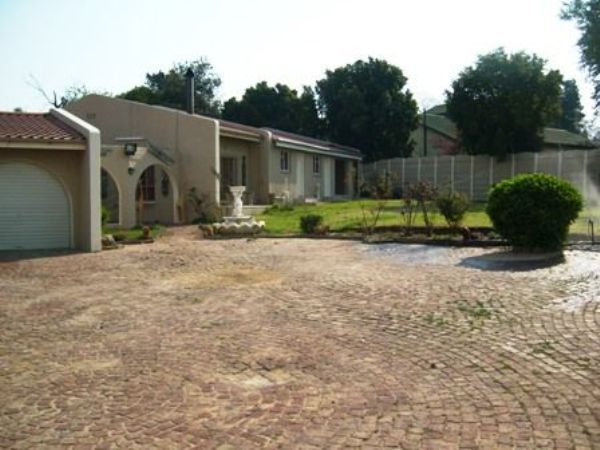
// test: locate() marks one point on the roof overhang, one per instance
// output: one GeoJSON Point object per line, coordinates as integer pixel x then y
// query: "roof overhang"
{"type": "Point", "coordinates": [33, 145]}
{"type": "Point", "coordinates": [235, 133]}
{"type": "Point", "coordinates": [293, 144]}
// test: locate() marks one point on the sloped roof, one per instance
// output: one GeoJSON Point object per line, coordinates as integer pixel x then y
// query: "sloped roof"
{"type": "Point", "coordinates": [438, 121]}
{"type": "Point", "coordinates": [36, 127]}
{"type": "Point", "coordinates": [442, 125]}
{"type": "Point", "coordinates": [557, 136]}
{"type": "Point", "coordinates": [278, 134]}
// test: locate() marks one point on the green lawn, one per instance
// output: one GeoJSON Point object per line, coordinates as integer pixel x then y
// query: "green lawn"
{"type": "Point", "coordinates": [134, 233]}
{"type": "Point", "coordinates": [344, 216]}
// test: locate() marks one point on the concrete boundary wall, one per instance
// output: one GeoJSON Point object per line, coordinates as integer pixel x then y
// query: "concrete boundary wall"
{"type": "Point", "coordinates": [474, 175]}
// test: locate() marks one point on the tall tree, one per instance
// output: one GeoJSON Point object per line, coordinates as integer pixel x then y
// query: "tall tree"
{"type": "Point", "coordinates": [571, 116]}
{"type": "Point", "coordinates": [168, 88]}
{"type": "Point", "coordinates": [366, 105]}
{"type": "Point", "coordinates": [586, 14]}
{"type": "Point", "coordinates": [278, 106]}
{"type": "Point", "coordinates": [502, 104]}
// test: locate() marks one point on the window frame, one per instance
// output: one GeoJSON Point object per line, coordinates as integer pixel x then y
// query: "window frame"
{"type": "Point", "coordinates": [146, 186]}
{"type": "Point", "coordinates": [316, 165]}
{"type": "Point", "coordinates": [284, 161]}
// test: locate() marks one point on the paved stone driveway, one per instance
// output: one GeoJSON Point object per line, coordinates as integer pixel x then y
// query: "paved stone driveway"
{"type": "Point", "coordinates": [296, 344]}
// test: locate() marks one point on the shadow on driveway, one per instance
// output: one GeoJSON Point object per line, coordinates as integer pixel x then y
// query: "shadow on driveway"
{"type": "Point", "coordinates": [21, 255]}
{"type": "Point", "coordinates": [513, 262]}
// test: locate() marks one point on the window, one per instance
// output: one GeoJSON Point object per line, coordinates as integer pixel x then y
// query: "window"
{"type": "Point", "coordinates": [146, 188]}
{"type": "Point", "coordinates": [285, 161]}
{"type": "Point", "coordinates": [316, 165]}
{"type": "Point", "coordinates": [104, 184]}
{"type": "Point", "coordinates": [244, 176]}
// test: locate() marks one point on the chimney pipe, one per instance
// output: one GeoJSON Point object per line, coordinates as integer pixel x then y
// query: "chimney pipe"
{"type": "Point", "coordinates": [189, 91]}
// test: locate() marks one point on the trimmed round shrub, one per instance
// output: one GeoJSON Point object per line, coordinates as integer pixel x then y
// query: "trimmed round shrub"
{"type": "Point", "coordinates": [310, 223]}
{"type": "Point", "coordinates": [453, 207]}
{"type": "Point", "coordinates": [534, 211]}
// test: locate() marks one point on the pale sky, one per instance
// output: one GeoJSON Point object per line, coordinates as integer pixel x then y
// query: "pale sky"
{"type": "Point", "coordinates": [109, 45]}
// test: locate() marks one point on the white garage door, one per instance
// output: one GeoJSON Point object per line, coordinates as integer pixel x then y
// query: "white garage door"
{"type": "Point", "coordinates": [34, 209]}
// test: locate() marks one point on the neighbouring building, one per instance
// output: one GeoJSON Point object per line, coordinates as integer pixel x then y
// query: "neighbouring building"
{"type": "Point", "coordinates": [154, 158]}
{"type": "Point", "coordinates": [441, 136]}
{"type": "Point", "coordinates": [49, 182]}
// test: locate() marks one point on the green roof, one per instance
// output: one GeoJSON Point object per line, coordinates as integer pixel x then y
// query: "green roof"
{"type": "Point", "coordinates": [559, 137]}
{"type": "Point", "coordinates": [438, 121]}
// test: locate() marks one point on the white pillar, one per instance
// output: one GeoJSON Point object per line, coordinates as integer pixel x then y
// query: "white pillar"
{"type": "Point", "coordinates": [452, 174]}
{"type": "Point", "coordinates": [585, 177]}
{"type": "Point", "coordinates": [560, 163]}
{"type": "Point", "coordinates": [472, 175]}
{"type": "Point", "coordinates": [403, 170]}
{"type": "Point", "coordinates": [512, 165]}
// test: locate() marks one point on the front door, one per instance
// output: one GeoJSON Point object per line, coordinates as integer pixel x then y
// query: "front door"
{"type": "Point", "coordinates": [340, 177]}
{"type": "Point", "coordinates": [229, 176]}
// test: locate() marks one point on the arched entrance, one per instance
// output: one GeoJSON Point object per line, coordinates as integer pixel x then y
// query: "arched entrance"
{"type": "Point", "coordinates": [155, 196]}
{"type": "Point", "coordinates": [110, 197]}
{"type": "Point", "coordinates": [35, 209]}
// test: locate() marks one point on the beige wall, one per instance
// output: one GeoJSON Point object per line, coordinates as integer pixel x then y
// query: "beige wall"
{"type": "Point", "coordinates": [195, 145]}
{"type": "Point", "coordinates": [66, 166]}
{"type": "Point", "coordinates": [166, 210]}
{"type": "Point", "coordinates": [191, 140]}
{"type": "Point", "coordinates": [300, 181]}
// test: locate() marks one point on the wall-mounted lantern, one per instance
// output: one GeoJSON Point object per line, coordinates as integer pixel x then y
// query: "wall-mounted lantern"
{"type": "Point", "coordinates": [130, 148]}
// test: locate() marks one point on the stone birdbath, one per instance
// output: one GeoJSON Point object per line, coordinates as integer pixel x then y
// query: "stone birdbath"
{"type": "Point", "coordinates": [237, 222]}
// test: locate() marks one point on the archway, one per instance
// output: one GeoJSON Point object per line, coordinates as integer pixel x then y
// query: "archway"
{"type": "Point", "coordinates": [155, 196]}
{"type": "Point", "coordinates": [110, 197]}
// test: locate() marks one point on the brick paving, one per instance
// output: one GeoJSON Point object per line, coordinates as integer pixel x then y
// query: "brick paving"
{"type": "Point", "coordinates": [296, 344]}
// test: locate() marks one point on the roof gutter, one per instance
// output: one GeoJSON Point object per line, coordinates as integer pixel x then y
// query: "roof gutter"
{"type": "Point", "coordinates": [313, 148]}
{"type": "Point", "coordinates": [234, 133]}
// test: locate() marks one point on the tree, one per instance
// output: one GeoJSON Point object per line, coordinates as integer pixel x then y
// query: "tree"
{"type": "Point", "coordinates": [278, 107]}
{"type": "Point", "coordinates": [70, 95]}
{"type": "Point", "coordinates": [366, 105]}
{"type": "Point", "coordinates": [502, 104]}
{"type": "Point", "coordinates": [571, 110]}
{"type": "Point", "coordinates": [168, 88]}
{"type": "Point", "coordinates": [586, 14]}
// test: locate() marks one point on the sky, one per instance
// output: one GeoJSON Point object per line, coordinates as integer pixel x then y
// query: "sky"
{"type": "Point", "coordinates": [109, 45]}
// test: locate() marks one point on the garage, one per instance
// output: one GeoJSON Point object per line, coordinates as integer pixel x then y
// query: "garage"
{"type": "Point", "coordinates": [35, 213]}
{"type": "Point", "coordinates": [49, 182]}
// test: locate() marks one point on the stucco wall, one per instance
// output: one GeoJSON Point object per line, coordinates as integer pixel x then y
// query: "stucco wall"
{"type": "Point", "coordinates": [66, 166]}
{"type": "Point", "coordinates": [300, 181]}
{"type": "Point", "coordinates": [165, 209]}
{"type": "Point", "coordinates": [192, 141]}
{"type": "Point", "coordinates": [281, 182]}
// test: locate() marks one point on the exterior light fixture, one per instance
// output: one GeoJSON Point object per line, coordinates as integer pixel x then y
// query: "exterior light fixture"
{"type": "Point", "coordinates": [130, 148]}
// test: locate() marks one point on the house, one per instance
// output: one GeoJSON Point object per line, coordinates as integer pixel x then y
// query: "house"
{"type": "Point", "coordinates": [441, 136]}
{"type": "Point", "coordinates": [154, 158]}
{"type": "Point", "coordinates": [49, 182]}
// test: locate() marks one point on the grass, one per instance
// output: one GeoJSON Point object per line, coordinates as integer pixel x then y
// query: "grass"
{"type": "Point", "coordinates": [134, 233]}
{"type": "Point", "coordinates": [346, 216]}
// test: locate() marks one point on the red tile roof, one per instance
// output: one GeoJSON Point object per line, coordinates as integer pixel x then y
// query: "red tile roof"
{"type": "Point", "coordinates": [36, 127]}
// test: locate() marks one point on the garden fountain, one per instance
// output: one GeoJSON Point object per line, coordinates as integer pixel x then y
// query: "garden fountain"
{"type": "Point", "coordinates": [237, 222]}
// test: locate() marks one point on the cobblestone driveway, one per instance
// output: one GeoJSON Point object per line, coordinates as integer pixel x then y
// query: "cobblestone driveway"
{"type": "Point", "coordinates": [296, 344]}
